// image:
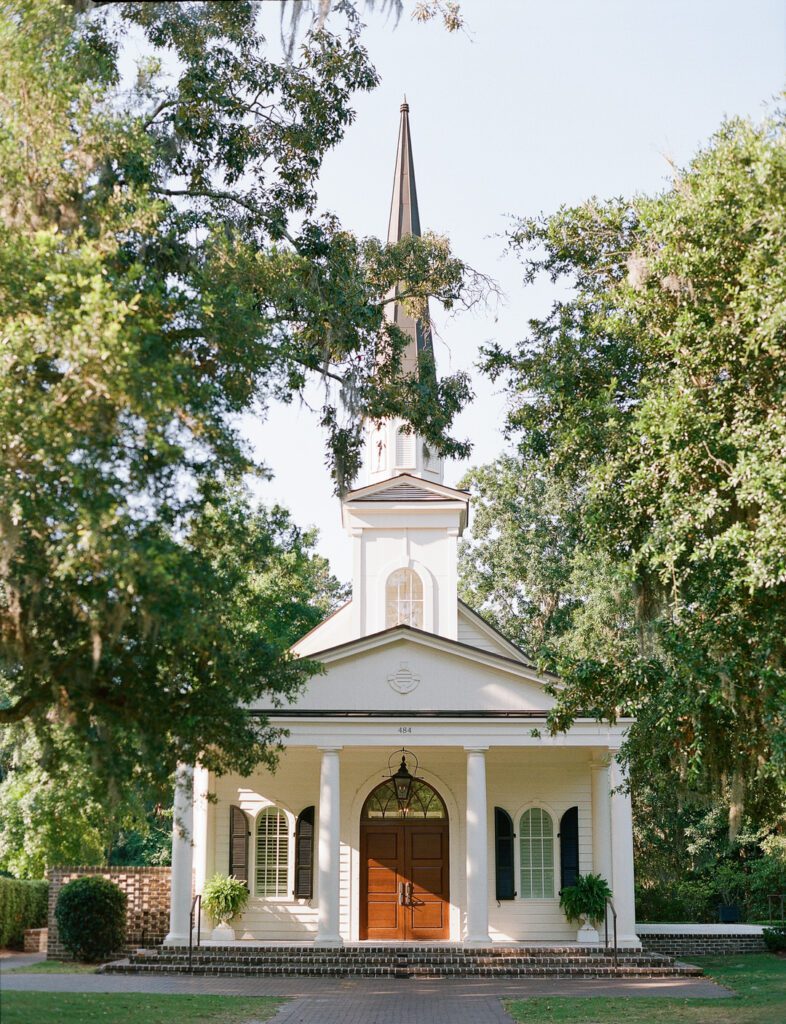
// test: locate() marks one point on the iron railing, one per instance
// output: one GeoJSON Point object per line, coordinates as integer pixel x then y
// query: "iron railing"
{"type": "Point", "coordinates": [610, 906]}
{"type": "Point", "coordinates": [781, 898]}
{"type": "Point", "coordinates": [196, 906]}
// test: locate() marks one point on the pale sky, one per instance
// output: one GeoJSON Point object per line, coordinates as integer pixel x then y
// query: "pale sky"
{"type": "Point", "coordinates": [539, 103]}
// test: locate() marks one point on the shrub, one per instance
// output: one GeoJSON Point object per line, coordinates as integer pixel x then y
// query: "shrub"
{"type": "Point", "coordinates": [775, 938]}
{"type": "Point", "coordinates": [587, 898]}
{"type": "Point", "coordinates": [91, 918]}
{"type": "Point", "coordinates": [23, 905]}
{"type": "Point", "coordinates": [224, 897]}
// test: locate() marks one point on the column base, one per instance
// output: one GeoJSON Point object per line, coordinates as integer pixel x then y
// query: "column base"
{"type": "Point", "coordinates": [174, 939]}
{"type": "Point", "coordinates": [328, 940]}
{"type": "Point", "coordinates": [478, 940]}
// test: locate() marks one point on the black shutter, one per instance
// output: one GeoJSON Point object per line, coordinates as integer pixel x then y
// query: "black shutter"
{"type": "Point", "coordinates": [238, 844]}
{"type": "Point", "coordinates": [569, 848]}
{"type": "Point", "coordinates": [304, 855]}
{"type": "Point", "coordinates": [503, 847]}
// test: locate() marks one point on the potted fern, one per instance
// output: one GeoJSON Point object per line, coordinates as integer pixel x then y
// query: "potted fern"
{"type": "Point", "coordinates": [224, 897]}
{"type": "Point", "coordinates": [585, 904]}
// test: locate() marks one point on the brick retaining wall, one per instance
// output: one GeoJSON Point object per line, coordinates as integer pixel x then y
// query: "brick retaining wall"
{"type": "Point", "coordinates": [147, 889]}
{"type": "Point", "coordinates": [686, 944]}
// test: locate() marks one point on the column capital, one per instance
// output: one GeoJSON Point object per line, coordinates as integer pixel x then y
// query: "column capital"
{"type": "Point", "coordinates": [476, 750]}
{"type": "Point", "coordinates": [600, 763]}
{"type": "Point", "coordinates": [330, 750]}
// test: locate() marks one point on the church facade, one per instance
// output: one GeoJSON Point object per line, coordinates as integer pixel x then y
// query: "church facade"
{"type": "Point", "coordinates": [419, 796]}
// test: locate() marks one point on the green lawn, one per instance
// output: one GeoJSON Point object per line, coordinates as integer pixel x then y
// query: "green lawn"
{"type": "Point", "coordinates": [758, 979]}
{"type": "Point", "coordinates": [132, 1008]}
{"type": "Point", "coordinates": [54, 967]}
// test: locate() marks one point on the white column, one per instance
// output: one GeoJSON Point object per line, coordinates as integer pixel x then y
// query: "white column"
{"type": "Point", "coordinates": [601, 819]}
{"type": "Point", "coordinates": [182, 857]}
{"type": "Point", "coordinates": [477, 848]}
{"type": "Point", "coordinates": [622, 858]}
{"type": "Point", "coordinates": [329, 847]}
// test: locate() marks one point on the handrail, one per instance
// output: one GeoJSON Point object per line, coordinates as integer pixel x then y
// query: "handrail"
{"type": "Point", "coordinates": [196, 901]}
{"type": "Point", "coordinates": [610, 904]}
{"type": "Point", "coordinates": [775, 896]}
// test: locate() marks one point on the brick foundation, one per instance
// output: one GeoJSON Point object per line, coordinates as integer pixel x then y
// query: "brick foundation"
{"type": "Point", "coordinates": [147, 916]}
{"type": "Point", "coordinates": [686, 944]}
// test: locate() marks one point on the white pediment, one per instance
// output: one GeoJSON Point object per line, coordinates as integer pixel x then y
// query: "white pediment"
{"type": "Point", "coordinates": [403, 669]}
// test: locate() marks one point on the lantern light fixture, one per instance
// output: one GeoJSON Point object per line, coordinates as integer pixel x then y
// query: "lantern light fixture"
{"type": "Point", "coordinates": [403, 780]}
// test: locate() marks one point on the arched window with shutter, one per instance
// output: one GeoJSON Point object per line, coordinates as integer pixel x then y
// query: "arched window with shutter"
{"type": "Point", "coordinates": [569, 847]}
{"type": "Point", "coordinates": [304, 855]}
{"type": "Point", "coordinates": [503, 854]}
{"type": "Point", "coordinates": [404, 599]}
{"type": "Point", "coordinates": [238, 844]}
{"type": "Point", "coordinates": [272, 850]}
{"type": "Point", "coordinates": [536, 843]}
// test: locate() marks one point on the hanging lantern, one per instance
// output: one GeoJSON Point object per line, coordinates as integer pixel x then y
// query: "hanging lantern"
{"type": "Point", "coordinates": [403, 780]}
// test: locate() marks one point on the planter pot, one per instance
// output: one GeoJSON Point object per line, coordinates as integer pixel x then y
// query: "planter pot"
{"type": "Point", "coordinates": [729, 913]}
{"type": "Point", "coordinates": [587, 935]}
{"type": "Point", "coordinates": [222, 933]}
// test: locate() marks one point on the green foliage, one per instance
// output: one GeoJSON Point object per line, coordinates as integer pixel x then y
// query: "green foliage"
{"type": "Point", "coordinates": [23, 904]}
{"type": "Point", "coordinates": [587, 898]}
{"type": "Point", "coordinates": [775, 938]}
{"type": "Point", "coordinates": [648, 410]}
{"type": "Point", "coordinates": [744, 877]}
{"type": "Point", "coordinates": [163, 270]}
{"type": "Point", "coordinates": [224, 897]}
{"type": "Point", "coordinates": [91, 918]}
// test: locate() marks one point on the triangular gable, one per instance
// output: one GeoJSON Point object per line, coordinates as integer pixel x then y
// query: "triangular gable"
{"type": "Point", "coordinates": [406, 487]}
{"type": "Point", "coordinates": [411, 670]}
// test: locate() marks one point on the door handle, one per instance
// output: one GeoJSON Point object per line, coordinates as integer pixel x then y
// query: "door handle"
{"type": "Point", "coordinates": [402, 894]}
{"type": "Point", "coordinates": [409, 894]}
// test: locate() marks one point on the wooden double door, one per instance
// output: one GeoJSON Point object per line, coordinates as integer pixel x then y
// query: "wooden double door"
{"type": "Point", "coordinates": [404, 881]}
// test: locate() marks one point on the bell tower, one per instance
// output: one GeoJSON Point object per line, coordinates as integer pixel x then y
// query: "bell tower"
{"type": "Point", "coordinates": [391, 448]}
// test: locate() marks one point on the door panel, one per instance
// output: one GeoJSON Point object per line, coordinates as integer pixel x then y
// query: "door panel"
{"type": "Point", "coordinates": [412, 853]}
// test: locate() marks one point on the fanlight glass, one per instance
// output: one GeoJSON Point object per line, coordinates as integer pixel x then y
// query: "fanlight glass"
{"type": "Point", "coordinates": [404, 599]}
{"type": "Point", "coordinates": [425, 803]}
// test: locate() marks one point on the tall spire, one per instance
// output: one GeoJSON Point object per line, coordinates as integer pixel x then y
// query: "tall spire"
{"type": "Point", "coordinates": [391, 447]}
{"type": "Point", "coordinates": [405, 220]}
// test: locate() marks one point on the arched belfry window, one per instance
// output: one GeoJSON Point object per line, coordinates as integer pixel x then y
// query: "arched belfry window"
{"type": "Point", "coordinates": [404, 599]}
{"type": "Point", "coordinates": [382, 803]}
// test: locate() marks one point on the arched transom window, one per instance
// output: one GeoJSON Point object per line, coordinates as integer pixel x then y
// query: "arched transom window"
{"type": "Point", "coordinates": [536, 843]}
{"type": "Point", "coordinates": [424, 803]}
{"type": "Point", "coordinates": [404, 599]}
{"type": "Point", "coordinates": [272, 850]}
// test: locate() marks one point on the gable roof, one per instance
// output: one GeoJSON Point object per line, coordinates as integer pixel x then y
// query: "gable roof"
{"type": "Point", "coordinates": [406, 487]}
{"type": "Point", "coordinates": [421, 637]}
{"type": "Point", "coordinates": [497, 638]}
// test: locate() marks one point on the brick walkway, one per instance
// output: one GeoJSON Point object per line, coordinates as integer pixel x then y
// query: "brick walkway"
{"type": "Point", "coordinates": [369, 1001]}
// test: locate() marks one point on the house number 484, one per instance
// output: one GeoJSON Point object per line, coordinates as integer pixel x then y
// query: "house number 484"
{"type": "Point", "coordinates": [405, 728]}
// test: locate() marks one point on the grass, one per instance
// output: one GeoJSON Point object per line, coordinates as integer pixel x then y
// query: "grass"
{"type": "Point", "coordinates": [54, 967]}
{"type": "Point", "coordinates": [759, 981]}
{"type": "Point", "coordinates": [132, 1008]}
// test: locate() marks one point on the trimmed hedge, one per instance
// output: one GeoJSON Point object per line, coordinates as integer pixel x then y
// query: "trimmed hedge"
{"type": "Point", "coordinates": [23, 905]}
{"type": "Point", "coordinates": [91, 918]}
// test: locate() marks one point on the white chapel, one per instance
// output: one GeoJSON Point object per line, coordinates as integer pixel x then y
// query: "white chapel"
{"type": "Point", "coordinates": [419, 797]}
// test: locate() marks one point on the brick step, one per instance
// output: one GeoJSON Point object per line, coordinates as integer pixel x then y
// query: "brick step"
{"type": "Point", "coordinates": [411, 970]}
{"type": "Point", "coordinates": [327, 960]}
{"type": "Point", "coordinates": [310, 949]}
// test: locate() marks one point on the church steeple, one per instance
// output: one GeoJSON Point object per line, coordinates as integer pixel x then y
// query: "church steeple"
{"type": "Point", "coordinates": [390, 449]}
{"type": "Point", "coordinates": [405, 220]}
